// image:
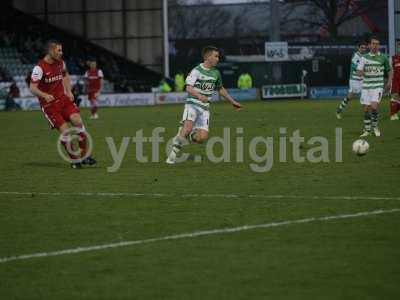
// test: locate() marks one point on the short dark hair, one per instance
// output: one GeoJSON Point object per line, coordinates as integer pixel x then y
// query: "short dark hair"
{"type": "Point", "coordinates": [374, 37]}
{"type": "Point", "coordinates": [207, 50]}
{"type": "Point", "coordinates": [51, 43]}
{"type": "Point", "coordinates": [362, 43]}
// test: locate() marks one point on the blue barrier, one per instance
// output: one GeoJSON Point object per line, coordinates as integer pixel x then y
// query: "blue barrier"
{"type": "Point", "coordinates": [242, 95]}
{"type": "Point", "coordinates": [328, 92]}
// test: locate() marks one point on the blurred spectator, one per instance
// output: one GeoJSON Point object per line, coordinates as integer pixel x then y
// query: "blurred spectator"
{"type": "Point", "coordinates": [179, 82]}
{"type": "Point", "coordinates": [245, 81]}
{"type": "Point", "coordinates": [124, 87]}
{"type": "Point", "coordinates": [164, 86]}
{"type": "Point", "coordinates": [13, 92]}
{"type": "Point", "coordinates": [28, 78]}
{"type": "Point", "coordinates": [78, 91]}
{"type": "Point", "coordinates": [4, 76]}
{"type": "Point", "coordinates": [82, 66]}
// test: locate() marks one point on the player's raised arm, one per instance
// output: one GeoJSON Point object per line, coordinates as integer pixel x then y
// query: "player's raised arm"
{"type": "Point", "coordinates": [224, 93]}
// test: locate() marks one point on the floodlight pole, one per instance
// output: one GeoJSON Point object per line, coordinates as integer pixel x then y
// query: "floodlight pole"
{"type": "Point", "coordinates": [392, 33]}
{"type": "Point", "coordinates": [275, 21]}
{"type": "Point", "coordinates": [275, 37]}
{"type": "Point", "coordinates": [165, 38]}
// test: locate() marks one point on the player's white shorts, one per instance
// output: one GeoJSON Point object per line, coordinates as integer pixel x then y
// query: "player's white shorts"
{"type": "Point", "coordinates": [199, 116]}
{"type": "Point", "coordinates": [372, 95]}
{"type": "Point", "coordinates": [355, 86]}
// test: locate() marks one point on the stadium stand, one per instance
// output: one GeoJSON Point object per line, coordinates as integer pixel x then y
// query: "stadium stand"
{"type": "Point", "coordinates": [21, 44]}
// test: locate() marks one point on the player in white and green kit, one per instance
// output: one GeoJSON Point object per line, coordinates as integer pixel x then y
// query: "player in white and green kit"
{"type": "Point", "coordinates": [201, 84]}
{"type": "Point", "coordinates": [373, 67]}
{"type": "Point", "coordinates": [355, 82]}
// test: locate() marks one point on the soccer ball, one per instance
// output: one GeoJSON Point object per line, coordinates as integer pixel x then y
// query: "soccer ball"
{"type": "Point", "coordinates": [360, 147]}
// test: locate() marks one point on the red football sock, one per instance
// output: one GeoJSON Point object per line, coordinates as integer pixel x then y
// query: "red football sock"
{"type": "Point", "coordinates": [82, 141]}
{"type": "Point", "coordinates": [94, 108]}
{"type": "Point", "coordinates": [394, 106]}
{"type": "Point", "coordinates": [69, 147]}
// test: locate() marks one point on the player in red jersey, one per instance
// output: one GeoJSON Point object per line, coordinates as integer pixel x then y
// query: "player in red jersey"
{"type": "Point", "coordinates": [51, 84]}
{"type": "Point", "coordinates": [395, 100]}
{"type": "Point", "coordinates": [94, 84]}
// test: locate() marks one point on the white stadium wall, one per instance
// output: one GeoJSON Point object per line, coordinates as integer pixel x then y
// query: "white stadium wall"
{"type": "Point", "coordinates": [131, 28]}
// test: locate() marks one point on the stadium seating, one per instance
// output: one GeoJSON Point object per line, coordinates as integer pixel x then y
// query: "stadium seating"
{"type": "Point", "coordinates": [10, 62]}
{"type": "Point", "coordinates": [22, 38]}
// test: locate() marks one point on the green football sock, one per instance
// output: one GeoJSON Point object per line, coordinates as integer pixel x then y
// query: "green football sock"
{"type": "Point", "coordinates": [342, 105]}
{"type": "Point", "coordinates": [367, 121]}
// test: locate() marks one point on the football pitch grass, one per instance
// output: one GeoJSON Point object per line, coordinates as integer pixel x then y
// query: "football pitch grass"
{"type": "Point", "coordinates": [327, 230]}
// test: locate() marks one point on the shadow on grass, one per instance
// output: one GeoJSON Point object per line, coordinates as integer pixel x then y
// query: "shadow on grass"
{"type": "Point", "coordinates": [56, 165]}
{"type": "Point", "coordinates": [47, 164]}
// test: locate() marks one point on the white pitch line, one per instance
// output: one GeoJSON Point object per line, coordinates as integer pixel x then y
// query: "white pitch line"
{"type": "Point", "coordinates": [160, 195]}
{"type": "Point", "coordinates": [195, 234]}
